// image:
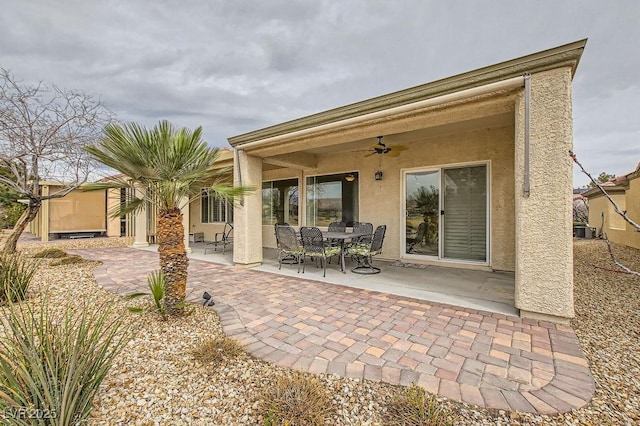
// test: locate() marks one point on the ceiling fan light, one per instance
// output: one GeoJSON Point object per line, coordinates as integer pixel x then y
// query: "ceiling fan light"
{"type": "Point", "coordinates": [350, 177]}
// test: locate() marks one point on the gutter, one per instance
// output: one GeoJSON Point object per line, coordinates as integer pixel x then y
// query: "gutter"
{"type": "Point", "coordinates": [511, 83]}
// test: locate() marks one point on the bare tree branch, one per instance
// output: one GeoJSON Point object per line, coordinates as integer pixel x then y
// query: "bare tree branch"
{"type": "Point", "coordinates": [618, 210]}
{"type": "Point", "coordinates": [43, 132]}
{"type": "Point", "coordinates": [618, 264]}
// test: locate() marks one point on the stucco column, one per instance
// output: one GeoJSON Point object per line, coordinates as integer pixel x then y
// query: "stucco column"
{"type": "Point", "coordinates": [113, 223]}
{"type": "Point", "coordinates": [247, 213]}
{"type": "Point", "coordinates": [140, 220]}
{"type": "Point", "coordinates": [44, 216]}
{"type": "Point", "coordinates": [544, 243]}
{"type": "Point", "coordinates": [185, 222]}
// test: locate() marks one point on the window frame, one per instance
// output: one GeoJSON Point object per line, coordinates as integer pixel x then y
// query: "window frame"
{"type": "Point", "coordinates": [207, 199]}
{"type": "Point", "coordinates": [273, 217]}
{"type": "Point", "coordinates": [356, 199]}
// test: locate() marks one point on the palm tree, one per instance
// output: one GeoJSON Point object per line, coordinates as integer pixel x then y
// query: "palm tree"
{"type": "Point", "coordinates": [166, 167]}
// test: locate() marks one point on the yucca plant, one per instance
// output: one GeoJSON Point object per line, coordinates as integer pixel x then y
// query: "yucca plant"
{"type": "Point", "coordinates": [53, 359]}
{"type": "Point", "coordinates": [16, 274]}
{"type": "Point", "coordinates": [157, 284]}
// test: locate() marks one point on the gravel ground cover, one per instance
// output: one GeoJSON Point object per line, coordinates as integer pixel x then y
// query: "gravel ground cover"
{"type": "Point", "coordinates": [157, 381]}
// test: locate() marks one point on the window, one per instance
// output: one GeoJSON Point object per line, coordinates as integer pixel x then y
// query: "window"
{"type": "Point", "coordinates": [332, 198]}
{"type": "Point", "coordinates": [280, 202]}
{"type": "Point", "coordinates": [214, 209]}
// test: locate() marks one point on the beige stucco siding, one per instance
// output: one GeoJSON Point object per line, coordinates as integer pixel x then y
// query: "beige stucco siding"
{"type": "Point", "coordinates": [544, 265]}
{"type": "Point", "coordinates": [381, 201]}
{"type": "Point", "coordinates": [603, 217]}
{"type": "Point", "coordinates": [195, 220]}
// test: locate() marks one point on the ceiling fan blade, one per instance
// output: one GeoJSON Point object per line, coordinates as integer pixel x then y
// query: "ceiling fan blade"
{"type": "Point", "coordinates": [370, 154]}
{"type": "Point", "coordinates": [399, 147]}
{"type": "Point", "coordinates": [393, 153]}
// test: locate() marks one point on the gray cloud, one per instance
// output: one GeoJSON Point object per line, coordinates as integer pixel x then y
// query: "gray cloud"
{"type": "Point", "coordinates": [234, 66]}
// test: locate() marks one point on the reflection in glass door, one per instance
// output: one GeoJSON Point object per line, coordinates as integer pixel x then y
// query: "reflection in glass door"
{"type": "Point", "coordinates": [446, 213]}
{"type": "Point", "coordinates": [422, 213]}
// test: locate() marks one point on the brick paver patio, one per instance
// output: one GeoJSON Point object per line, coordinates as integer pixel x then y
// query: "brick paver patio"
{"type": "Point", "coordinates": [482, 358]}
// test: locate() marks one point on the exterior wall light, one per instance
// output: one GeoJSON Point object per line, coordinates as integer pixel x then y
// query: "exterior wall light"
{"type": "Point", "coordinates": [378, 175]}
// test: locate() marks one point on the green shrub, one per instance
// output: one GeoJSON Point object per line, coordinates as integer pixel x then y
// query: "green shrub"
{"type": "Point", "coordinates": [16, 273]}
{"type": "Point", "coordinates": [157, 288]}
{"type": "Point", "coordinates": [415, 407]}
{"type": "Point", "coordinates": [215, 350]}
{"type": "Point", "coordinates": [50, 253]}
{"type": "Point", "coordinates": [296, 399]}
{"type": "Point", "coordinates": [9, 215]}
{"type": "Point", "coordinates": [53, 359]}
{"type": "Point", "coordinates": [73, 259]}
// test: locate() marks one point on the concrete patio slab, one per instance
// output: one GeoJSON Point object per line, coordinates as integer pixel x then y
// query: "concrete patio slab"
{"type": "Point", "coordinates": [477, 357]}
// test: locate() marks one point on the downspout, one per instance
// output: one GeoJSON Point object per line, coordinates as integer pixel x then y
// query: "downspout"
{"type": "Point", "coordinates": [526, 186]}
{"type": "Point", "coordinates": [237, 160]}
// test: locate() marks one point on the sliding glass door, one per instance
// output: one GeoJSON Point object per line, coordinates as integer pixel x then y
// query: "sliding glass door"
{"type": "Point", "coordinates": [422, 213]}
{"type": "Point", "coordinates": [446, 213]}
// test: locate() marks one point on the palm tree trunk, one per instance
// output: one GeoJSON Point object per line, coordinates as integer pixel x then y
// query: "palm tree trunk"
{"type": "Point", "coordinates": [173, 257]}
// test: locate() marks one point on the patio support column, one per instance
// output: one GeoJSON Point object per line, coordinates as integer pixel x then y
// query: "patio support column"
{"type": "Point", "coordinates": [544, 246]}
{"type": "Point", "coordinates": [140, 219]}
{"type": "Point", "coordinates": [247, 214]}
{"type": "Point", "coordinates": [185, 222]}
{"type": "Point", "coordinates": [44, 217]}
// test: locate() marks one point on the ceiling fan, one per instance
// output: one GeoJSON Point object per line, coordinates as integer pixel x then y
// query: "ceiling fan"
{"type": "Point", "coordinates": [383, 149]}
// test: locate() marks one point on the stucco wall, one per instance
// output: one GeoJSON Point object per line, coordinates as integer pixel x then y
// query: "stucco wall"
{"type": "Point", "coordinates": [196, 225]}
{"type": "Point", "coordinates": [544, 265]}
{"type": "Point", "coordinates": [617, 230]}
{"type": "Point", "coordinates": [381, 201]}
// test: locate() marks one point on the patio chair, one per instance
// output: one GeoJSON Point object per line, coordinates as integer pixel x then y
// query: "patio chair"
{"type": "Point", "coordinates": [362, 227]}
{"type": "Point", "coordinates": [364, 253]}
{"type": "Point", "coordinates": [419, 238]}
{"type": "Point", "coordinates": [288, 259]}
{"type": "Point", "coordinates": [314, 246]}
{"type": "Point", "coordinates": [336, 227]}
{"type": "Point", "coordinates": [289, 247]}
{"type": "Point", "coordinates": [223, 239]}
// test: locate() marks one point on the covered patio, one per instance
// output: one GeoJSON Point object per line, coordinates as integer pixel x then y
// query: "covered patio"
{"type": "Point", "coordinates": [481, 290]}
{"type": "Point", "coordinates": [473, 167]}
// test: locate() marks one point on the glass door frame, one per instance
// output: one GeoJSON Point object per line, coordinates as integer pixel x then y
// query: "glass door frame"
{"type": "Point", "coordinates": [403, 216]}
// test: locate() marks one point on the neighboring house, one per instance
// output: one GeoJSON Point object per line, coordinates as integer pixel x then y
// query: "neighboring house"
{"type": "Point", "coordinates": [489, 147]}
{"type": "Point", "coordinates": [625, 191]}
{"type": "Point", "coordinates": [78, 213]}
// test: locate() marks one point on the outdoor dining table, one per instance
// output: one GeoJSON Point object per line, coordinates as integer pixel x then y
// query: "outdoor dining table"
{"type": "Point", "coordinates": [342, 237]}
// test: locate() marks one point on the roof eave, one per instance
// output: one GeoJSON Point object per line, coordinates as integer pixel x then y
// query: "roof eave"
{"type": "Point", "coordinates": [561, 56]}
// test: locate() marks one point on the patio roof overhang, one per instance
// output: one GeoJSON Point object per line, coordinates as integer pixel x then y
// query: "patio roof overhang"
{"type": "Point", "coordinates": [410, 113]}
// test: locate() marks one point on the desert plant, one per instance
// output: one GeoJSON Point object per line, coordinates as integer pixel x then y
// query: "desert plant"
{"type": "Point", "coordinates": [167, 167]}
{"type": "Point", "coordinates": [217, 349]}
{"type": "Point", "coordinates": [16, 273]}
{"type": "Point", "coordinates": [53, 360]}
{"type": "Point", "coordinates": [413, 406]}
{"type": "Point", "coordinates": [296, 399]}
{"type": "Point", "coordinates": [157, 284]}
{"type": "Point", "coordinates": [73, 259]}
{"type": "Point", "coordinates": [50, 253]}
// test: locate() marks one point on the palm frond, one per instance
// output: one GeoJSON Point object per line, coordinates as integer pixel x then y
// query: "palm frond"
{"type": "Point", "coordinates": [164, 165]}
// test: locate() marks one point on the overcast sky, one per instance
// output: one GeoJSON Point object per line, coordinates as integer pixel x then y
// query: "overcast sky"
{"type": "Point", "coordinates": [235, 66]}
